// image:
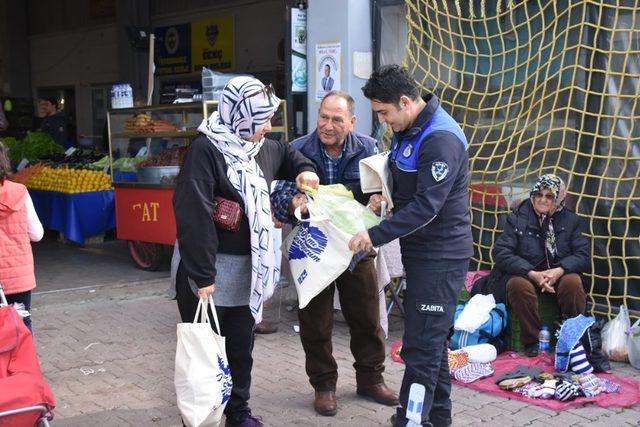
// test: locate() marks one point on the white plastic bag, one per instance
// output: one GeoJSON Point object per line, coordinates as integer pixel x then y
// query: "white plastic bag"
{"type": "Point", "coordinates": [475, 313]}
{"type": "Point", "coordinates": [614, 336]}
{"type": "Point", "coordinates": [337, 203]}
{"type": "Point", "coordinates": [202, 375]}
{"type": "Point", "coordinates": [633, 344]}
{"type": "Point", "coordinates": [481, 353]}
{"type": "Point", "coordinates": [318, 252]}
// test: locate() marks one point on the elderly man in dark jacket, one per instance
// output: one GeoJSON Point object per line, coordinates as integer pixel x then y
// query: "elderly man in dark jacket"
{"type": "Point", "coordinates": [541, 249]}
{"type": "Point", "coordinates": [336, 151]}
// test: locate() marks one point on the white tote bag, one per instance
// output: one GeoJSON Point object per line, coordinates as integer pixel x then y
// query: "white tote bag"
{"type": "Point", "coordinates": [318, 252]}
{"type": "Point", "coordinates": [202, 375]}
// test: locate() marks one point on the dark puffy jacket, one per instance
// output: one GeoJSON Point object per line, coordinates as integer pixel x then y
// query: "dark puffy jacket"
{"type": "Point", "coordinates": [519, 248]}
{"type": "Point", "coordinates": [358, 147]}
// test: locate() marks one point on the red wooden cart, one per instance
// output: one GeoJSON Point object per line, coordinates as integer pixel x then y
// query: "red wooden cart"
{"type": "Point", "coordinates": [144, 210]}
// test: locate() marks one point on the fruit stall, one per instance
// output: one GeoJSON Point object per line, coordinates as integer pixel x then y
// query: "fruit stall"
{"type": "Point", "coordinates": [71, 191]}
{"type": "Point", "coordinates": [150, 142]}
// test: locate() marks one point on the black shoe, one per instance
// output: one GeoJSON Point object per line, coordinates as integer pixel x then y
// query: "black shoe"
{"type": "Point", "coordinates": [531, 350]}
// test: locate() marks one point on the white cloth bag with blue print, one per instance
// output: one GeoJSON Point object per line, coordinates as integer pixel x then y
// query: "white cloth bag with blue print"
{"type": "Point", "coordinates": [202, 375]}
{"type": "Point", "coordinates": [318, 252]}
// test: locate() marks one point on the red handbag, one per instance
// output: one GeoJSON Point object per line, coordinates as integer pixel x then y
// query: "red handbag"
{"type": "Point", "coordinates": [227, 214]}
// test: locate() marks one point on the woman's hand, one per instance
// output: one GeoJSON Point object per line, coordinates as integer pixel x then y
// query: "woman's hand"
{"type": "Point", "coordinates": [541, 280]}
{"type": "Point", "coordinates": [553, 275]}
{"type": "Point", "coordinates": [204, 293]}
{"type": "Point", "coordinates": [299, 200]}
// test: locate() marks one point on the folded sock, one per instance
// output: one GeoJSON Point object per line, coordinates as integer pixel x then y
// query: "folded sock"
{"type": "Point", "coordinates": [512, 383]}
{"type": "Point", "coordinates": [567, 391]}
{"type": "Point", "coordinates": [591, 385]}
{"type": "Point", "coordinates": [457, 359]}
{"type": "Point", "coordinates": [578, 362]}
{"type": "Point", "coordinates": [472, 372]}
{"type": "Point", "coordinates": [535, 391]}
{"type": "Point", "coordinates": [548, 389]}
{"type": "Point", "coordinates": [609, 386]}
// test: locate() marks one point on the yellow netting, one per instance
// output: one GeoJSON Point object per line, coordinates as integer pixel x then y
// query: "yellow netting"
{"type": "Point", "coordinates": [544, 87]}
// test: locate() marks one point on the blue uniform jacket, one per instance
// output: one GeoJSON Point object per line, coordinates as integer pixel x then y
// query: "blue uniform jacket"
{"type": "Point", "coordinates": [430, 168]}
{"type": "Point", "coordinates": [357, 146]}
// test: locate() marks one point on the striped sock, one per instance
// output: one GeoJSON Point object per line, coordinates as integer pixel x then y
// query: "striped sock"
{"type": "Point", "coordinates": [578, 360]}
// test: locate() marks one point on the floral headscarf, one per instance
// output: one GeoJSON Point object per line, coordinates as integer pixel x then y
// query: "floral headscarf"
{"type": "Point", "coordinates": [553, 183]}
{"type": "Point", "coordinates": [556, 185]}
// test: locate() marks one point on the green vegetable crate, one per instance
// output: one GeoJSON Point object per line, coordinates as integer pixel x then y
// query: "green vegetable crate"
{"type": "Point", "coordinates": [549, 314]}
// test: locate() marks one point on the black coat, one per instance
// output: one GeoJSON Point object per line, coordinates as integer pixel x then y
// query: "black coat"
{"type": "Point", "coordinates": [520, 248]}
{"type": "Point", "coordinates": [202, 177]}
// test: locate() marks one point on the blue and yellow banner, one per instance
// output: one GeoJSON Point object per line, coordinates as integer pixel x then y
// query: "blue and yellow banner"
{"type": "Point", "coordinates": [173, 49]}
{"type": "Point", "coordinates": [186, 48]}
{"type": "Point", "coordinates": [212, 44]}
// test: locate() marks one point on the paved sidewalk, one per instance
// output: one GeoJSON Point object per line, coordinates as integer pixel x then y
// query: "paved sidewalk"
{"type": "Point", "coordinates": [108, 355]}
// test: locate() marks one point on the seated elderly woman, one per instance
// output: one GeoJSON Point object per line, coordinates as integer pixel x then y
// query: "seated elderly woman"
{"type": "Point", "coordinates": [541, 249]}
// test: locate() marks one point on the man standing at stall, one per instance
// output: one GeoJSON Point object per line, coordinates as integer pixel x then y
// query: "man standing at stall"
{"type": "Point", "coordinates": [54, 121]}
{"type": "Point", "coordinates": [336, 150]}
{"type": "Point", "coordinates": [430, 169]}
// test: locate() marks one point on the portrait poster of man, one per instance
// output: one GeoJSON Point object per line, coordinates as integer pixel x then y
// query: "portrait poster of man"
{"type": "Point", "coordinates": [328, 68]}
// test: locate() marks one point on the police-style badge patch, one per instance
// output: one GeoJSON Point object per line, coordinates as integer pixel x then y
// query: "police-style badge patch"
{"type": "Point", "coordinates": [439, 170]}
{"type": "Point", "coordinates": [407, 151]}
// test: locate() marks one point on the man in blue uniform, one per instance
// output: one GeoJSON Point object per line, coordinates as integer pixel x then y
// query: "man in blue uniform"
{"type": "Point", "coordinates": [430, 169]}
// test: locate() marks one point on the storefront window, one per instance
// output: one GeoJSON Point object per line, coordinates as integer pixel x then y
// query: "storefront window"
{"type": "Point", "coordinates": [393, 34]}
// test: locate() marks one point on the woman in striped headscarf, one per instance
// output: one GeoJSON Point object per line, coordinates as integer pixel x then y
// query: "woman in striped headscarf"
{"type": "Point", "coordinates": [232, 158]}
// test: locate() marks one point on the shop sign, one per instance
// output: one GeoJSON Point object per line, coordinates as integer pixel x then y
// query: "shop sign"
{"type": "Point", "coordinates": [173, 49]}
{"type": "Point", "coordinates": [145, 214]}
{"type": "Point", "coordinates": [212, 44]}
{"type": "Point", "coordinates": [148, 212]}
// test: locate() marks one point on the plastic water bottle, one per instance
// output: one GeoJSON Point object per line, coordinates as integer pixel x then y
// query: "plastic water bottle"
{"type": "Point", "coordinates": [121, 96]}
{"type": "Point", "coordinates": [128, 96]}
{"type": "Point", "coordinates": [114, 96]}
{"type": "Point", "coordinates": [543, 339]}
{"type": "Point", "coordinates": [117, 96]}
